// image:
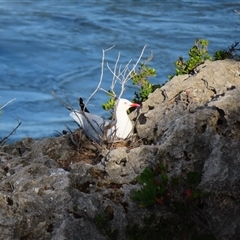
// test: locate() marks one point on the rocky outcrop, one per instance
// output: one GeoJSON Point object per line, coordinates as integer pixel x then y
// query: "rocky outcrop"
{"type": "Point", "coordinates": [49, 189]}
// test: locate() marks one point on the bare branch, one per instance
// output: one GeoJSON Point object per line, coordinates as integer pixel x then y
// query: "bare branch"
{"type": "Point", "coordinates": [126, 78]}
{"type": "Point", "coordinates": [115, 77]}
{"type": "Point", "coordinates": [7, 103]}
{"type": "Point", "coordinates": [66, 105]}
{"type": "Point", "coordinates": [107, 92]}
{"type": "Point", "coordinates": [149, 58]}
{"type": "Point", "coordinates": [106, 130]}
{"type": "Point", "coordinates": [3, 141]}
{"type": "Point", "coordinates": [123, 75]}
{"type": "Point", "coordinates": [236, 11]}
{"type": "Point", "coordinates": [101, 76]}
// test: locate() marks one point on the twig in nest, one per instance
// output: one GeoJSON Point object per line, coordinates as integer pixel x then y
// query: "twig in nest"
{"type": "Point", "coordinates": [66, 105]}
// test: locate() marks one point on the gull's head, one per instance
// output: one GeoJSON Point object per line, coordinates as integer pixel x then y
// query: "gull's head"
{"type": "Point", "coordinates": [124, 104]}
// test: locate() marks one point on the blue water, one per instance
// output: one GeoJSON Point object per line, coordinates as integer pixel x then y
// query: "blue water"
{"type": "Point", "coordinates": [57, 45]}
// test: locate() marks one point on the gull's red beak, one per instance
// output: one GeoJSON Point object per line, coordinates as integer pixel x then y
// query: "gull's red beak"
{"type": "Point", "coordinates": [135, 105]}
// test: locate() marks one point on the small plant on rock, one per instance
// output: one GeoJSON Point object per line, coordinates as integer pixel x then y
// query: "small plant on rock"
{"type": "Point", "coordinates": [197, 55]}
{"type": "Point", "coordinates": [154, 185]}
{"type": "Point", "coordinates": [141, 78]}
{"type": "Point", "coordinates": [227, 54]}
{"type": "Point", "coordinates": [181, 202]}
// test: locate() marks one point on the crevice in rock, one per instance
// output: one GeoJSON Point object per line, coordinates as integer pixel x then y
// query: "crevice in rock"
{"type": "Point", "coordinates": [231, 88]}
{"type": "Point", "coordinates": [50, 228]}
{"type": "Point", "coordinates": [9, 201]}
{"type": "Point", "coordinates": [84, 187]}
{"type": "Point", "coordinates": [123, 162]}
{"type": "Point", "coordinates": [237, 124]}
{"type": "Point", "coordinates": [222, 118]}
{"type": "Point", "coordinates": [76, 215]}
{"type": "Point", "coordinates": [221, 122]}
{"type": "Point", "coordinates": [109, 211]}
{"type": "Point", "coordinates": [209, 87]}
{"type": "Point", "coordinates": [125, 206]}
{"type": "Point", "coordinates": [216, 96]}
{"type": "Point", "coordinates": [203, 128]}
{"type": "Point", "coordinates": [6, 169]}
{"type": "Point", "coordinates": [164, 94]}
{"type": "Point", "coordinates": [142, 119]}
{"type": "Point", "coordinates": [187, 155]}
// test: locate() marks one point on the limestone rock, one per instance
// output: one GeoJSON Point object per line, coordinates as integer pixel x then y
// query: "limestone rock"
{"type": "Point", "coordinates": [60, 188]}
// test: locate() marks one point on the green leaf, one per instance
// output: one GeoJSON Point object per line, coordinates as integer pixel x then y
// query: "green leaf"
{"type": "Point", "coordinates": [193, 178]}
{"type": "Point", "coordinates": [146, 176]}
{"type": "Point", "coordinates": [164, 178]}
{"type": "Point", "coordinates": [196, 194]}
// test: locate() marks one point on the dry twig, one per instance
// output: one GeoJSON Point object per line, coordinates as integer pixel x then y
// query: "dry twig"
{"type": "Point", "coordinates": [7, 103]}
{"type": "Point", "coordinates": [121, 76]}
{"type": "Point", "coordinates": [4, 140]}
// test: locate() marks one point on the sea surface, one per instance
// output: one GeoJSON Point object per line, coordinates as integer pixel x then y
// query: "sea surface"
{"type": "Point", "coordinates": [58, 46]}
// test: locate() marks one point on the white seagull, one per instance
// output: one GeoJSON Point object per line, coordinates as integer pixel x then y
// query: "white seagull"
{"type": "Point", "coordinates": [97, 128]}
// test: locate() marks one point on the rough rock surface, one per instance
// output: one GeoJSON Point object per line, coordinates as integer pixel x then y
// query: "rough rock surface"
{"type": "Point", "coordinates": [51, 190]}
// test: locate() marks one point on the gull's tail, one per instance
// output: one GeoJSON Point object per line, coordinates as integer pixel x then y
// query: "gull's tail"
{"type": "Point", "coordinates": [82, 105]}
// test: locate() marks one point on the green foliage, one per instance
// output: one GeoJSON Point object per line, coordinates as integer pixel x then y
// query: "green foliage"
{"type": "Point", "coordinates": [153, 186]}
{"type": "Point", "coordinates": [148, 193]}
{"type": "Point", "coordinates": [227, 54]}
{"type": "Point", "coordinates": [109, 105]}
{"type": "Point", "coordinates": [197, 55]}
{"type": "Point", "coordinates": [221, 55]}
{"type": "Point", "coordinates": [156, 186]}
{"type": "Point", "coordinates": [192, 179]}
{"type": "Point", "coordinates": [141, 78]}
{"type": "Point", "coordinates": [182, 201]}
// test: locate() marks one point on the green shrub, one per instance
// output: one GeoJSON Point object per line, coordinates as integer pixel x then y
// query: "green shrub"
{"type": "Point", "coordinates": [140, 78]}
{"type": "Point", "coordinates": [227, 54]}
{"type": "Point", "coordinates": [197, 55]}
{"type": "Point", "coordinates": [109, 105]}
{"type": "Point", "coordinates": [153, 186]}
{"type": "Point", "coordinates": [181, 202]}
